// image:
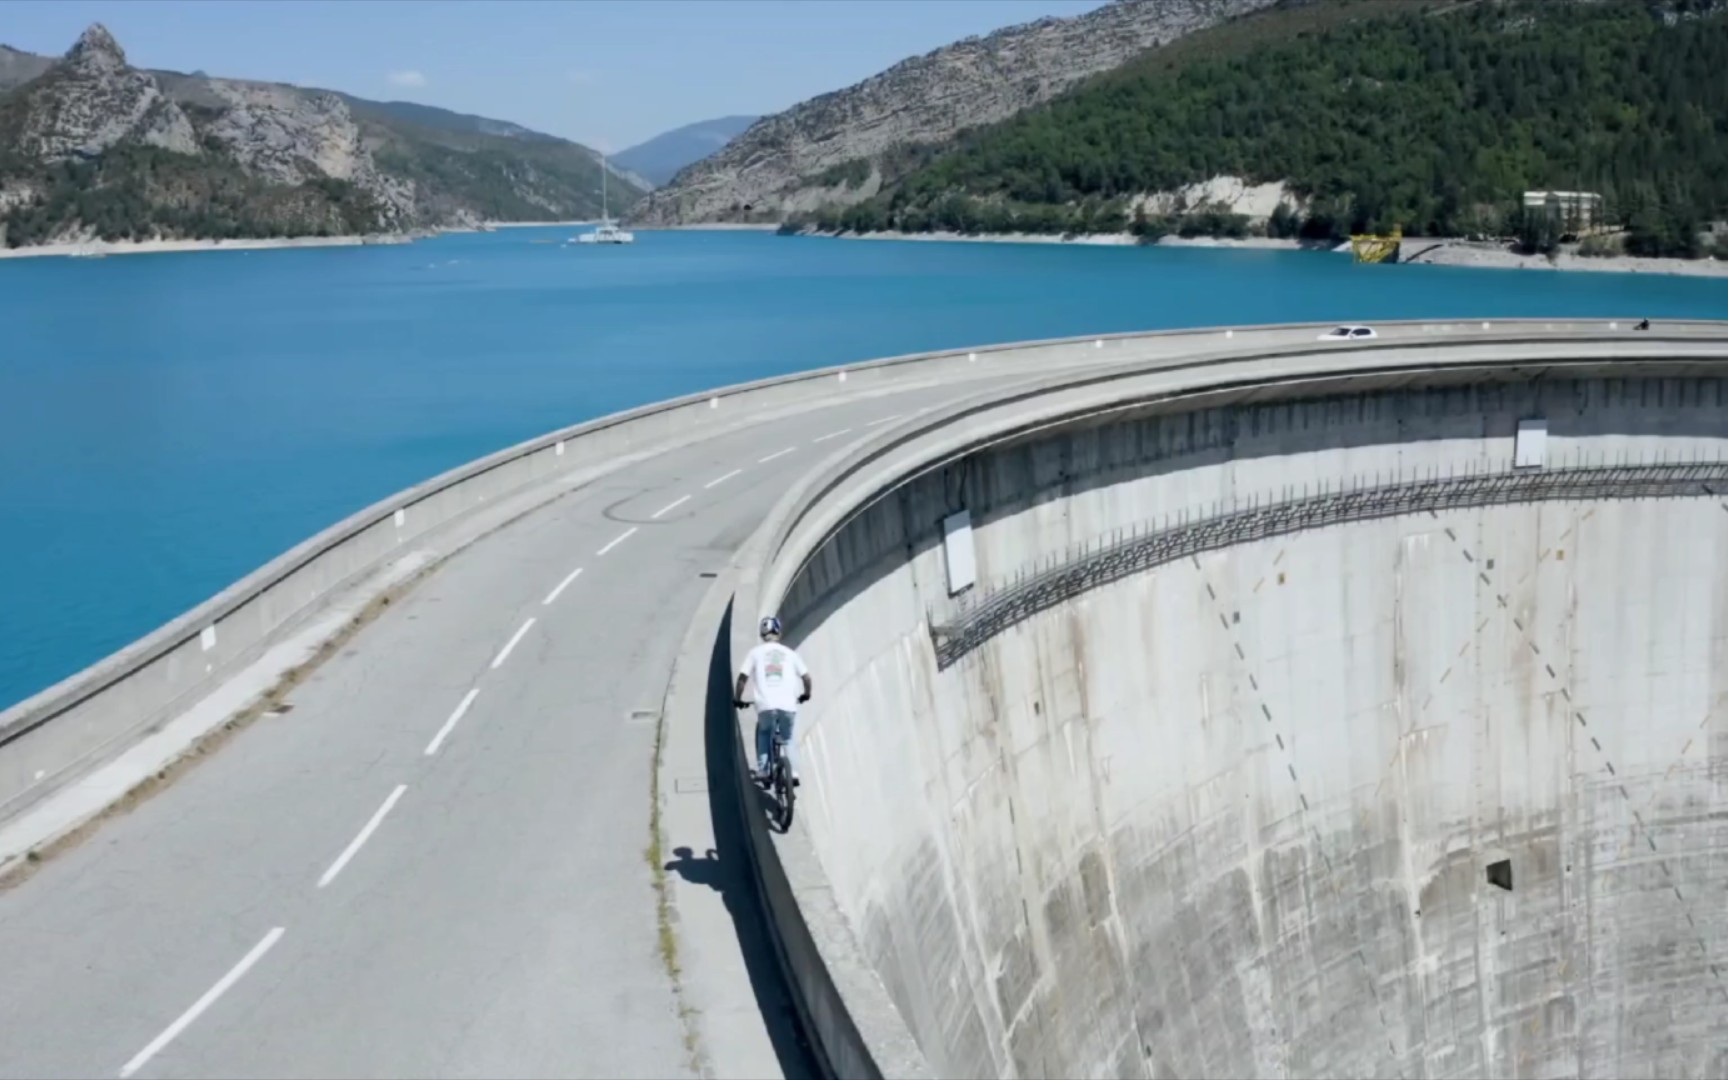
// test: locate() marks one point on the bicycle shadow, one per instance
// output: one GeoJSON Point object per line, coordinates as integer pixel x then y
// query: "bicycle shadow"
{"type": "Point", "coordinates": [725, 867]}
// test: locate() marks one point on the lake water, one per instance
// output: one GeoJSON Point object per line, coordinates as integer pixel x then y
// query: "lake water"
{"type": "Point", "coordinates": [170, 422]}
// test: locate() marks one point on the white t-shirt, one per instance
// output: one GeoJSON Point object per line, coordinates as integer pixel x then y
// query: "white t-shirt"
{"type": "Point", "coordinates": [776, 675]}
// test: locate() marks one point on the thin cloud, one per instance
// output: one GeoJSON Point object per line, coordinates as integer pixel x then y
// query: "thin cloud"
{"type": "Point", "coordinates": [581, 77]}
{"type": "Point", "coordinates": [407, 78]}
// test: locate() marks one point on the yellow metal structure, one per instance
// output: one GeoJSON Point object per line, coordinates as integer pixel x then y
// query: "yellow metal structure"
{"type": "Point", "coordinates": [1369, 248]}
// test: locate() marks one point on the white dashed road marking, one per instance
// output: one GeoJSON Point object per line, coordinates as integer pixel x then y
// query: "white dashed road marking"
{"type": "Point", "coordinates": [671, 506]}
{"type": "Point", "coordinates": [365, 835]}
{"type": "Point", "coordinates": [198, 1007]}
{"type": "Point", "coordinates": [504, 653]}
{"type": "Point", "coordinates": [627, 534]}
{"type": "Point", "coordinates": [562, 585]}
{"type": "Point", "coordinates": [450, 724]}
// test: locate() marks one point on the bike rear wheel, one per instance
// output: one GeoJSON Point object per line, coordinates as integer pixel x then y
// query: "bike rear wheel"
{"type": "Point", "coordinates": [784, 795]}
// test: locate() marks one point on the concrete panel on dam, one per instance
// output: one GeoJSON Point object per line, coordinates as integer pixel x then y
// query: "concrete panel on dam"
{"type": "Point", "coordinates": [1235, 815]}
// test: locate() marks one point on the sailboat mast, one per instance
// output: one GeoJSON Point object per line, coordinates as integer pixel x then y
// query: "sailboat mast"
{"type": "Point", "coordinates": [605, 214]}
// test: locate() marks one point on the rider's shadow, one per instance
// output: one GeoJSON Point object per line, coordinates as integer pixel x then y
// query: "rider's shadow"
{"type": "Point", "coordinates": [704, 871]}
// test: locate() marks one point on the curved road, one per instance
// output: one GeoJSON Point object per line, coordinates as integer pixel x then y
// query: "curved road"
{"type": "Point", "coordinates": [434, 864]}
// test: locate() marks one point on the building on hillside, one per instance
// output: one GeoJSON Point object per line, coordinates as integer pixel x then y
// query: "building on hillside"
{"type": "Point", "coordinates": [1578, 213]}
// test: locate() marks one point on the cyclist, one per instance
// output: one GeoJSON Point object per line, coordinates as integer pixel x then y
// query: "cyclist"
{"type": "Point", "coordinates": [782, 684]}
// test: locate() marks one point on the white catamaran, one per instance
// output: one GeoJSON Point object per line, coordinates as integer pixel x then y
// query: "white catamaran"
{"type": "Point", "coordinates": [607, 232]}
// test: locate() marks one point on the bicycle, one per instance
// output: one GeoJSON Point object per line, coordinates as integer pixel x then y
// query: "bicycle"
{"type": "Point", "coordinates": [780, 782]}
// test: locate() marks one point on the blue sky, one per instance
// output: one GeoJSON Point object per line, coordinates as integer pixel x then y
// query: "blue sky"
{"type": "Point", "coordinates": [609, 73]}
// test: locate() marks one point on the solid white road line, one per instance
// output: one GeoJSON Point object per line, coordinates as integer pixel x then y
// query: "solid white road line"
{"type": "Point", "coordinates": [450, 724]}
{"type": "Point", "coordinates": [673, 505]}
{"type": "Point", "coordinates": [504, 653]}
{"type": "Point", "coordinates": [186, 1018]}
{"type": "Point", "coordinates": [831, 435]}
{"type": "Point", "coordinates": [885, 420]}
{"type": "Point", "coordinates": [775, 454]}
{"type": "Point", "coordinates": [627, 534]}
{"type": "Point", "coordinates": [718, 480]}
{"type": "Point", "coordinates": [365, 834]}
{"type": "Point", "coordinates": [562, 585]}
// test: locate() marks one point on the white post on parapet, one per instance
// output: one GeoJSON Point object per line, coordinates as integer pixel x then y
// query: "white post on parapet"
{"type": "Point", "coordinates": [842, 376]}
{"type": "Point", "coordinates": [713, 403]}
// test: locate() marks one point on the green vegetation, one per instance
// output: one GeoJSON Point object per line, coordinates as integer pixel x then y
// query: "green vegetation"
{"type": "Point", "coordinates": [498, 177]}
{"type": "Point", "coordinates": [1432, 117]}
{"type": "Point", "coordinates": [137, 192]}
{"type": "Point", "coordinates": [850, 173]}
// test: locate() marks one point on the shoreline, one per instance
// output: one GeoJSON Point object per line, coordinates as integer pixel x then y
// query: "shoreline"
{"type": "Point", "coordinates": [1454, 253]}
{"type": "Point", "coordinates": [103, 248]}
{"type": "Point", "coordinates": [709, 226]}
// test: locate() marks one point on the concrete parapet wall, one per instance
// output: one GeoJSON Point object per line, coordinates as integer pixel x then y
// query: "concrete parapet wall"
{"type": "Point", "coordinates": [1022, 847]}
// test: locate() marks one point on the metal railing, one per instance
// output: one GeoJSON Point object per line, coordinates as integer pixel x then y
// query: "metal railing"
{"type": "Point", "coordinates": [1125, 554]}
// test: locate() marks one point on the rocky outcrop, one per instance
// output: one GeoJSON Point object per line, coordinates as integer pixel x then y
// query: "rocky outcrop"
{"type": "Point", "coordinates": [286, 135]}
{"type": "Point", "coordinates": [250, 158]}
{"type": "Point", "coordinates": [92, 100]}
{"type": "Point", "coordinates": [778, 166]}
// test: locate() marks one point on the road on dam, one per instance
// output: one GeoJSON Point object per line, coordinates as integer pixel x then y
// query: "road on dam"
{"type": "Point", "coordinates": [432, 864]}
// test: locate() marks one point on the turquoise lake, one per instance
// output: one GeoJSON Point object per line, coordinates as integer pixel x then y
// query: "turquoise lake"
{"type": "Point", "coordinates": [170, 422]}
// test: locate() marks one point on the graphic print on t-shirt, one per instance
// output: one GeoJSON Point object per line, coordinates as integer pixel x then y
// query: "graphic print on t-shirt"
{"type": "Point", "coordinates": [776, 671]}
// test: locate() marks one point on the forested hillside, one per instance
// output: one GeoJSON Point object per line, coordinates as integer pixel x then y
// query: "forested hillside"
{"type": "Point", "coordinates": [1434, 117]}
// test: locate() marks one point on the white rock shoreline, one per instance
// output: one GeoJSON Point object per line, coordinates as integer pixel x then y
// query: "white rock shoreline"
{"type": "Point", "coordinates": [157, 247]}
{"type": "Point", "coordinates": [1450, 253]}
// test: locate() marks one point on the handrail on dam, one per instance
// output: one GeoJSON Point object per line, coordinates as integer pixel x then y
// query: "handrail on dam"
{"type": "Point", "coordinates": [87, 719]}
{"type": "Point", "coordinates": [1154, 544]}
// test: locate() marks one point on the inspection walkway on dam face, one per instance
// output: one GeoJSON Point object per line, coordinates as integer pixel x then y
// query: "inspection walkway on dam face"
{"type": "Point", "coordinates": [429, 859]}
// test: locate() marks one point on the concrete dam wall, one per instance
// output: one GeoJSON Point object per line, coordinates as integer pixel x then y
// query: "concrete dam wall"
{"type": "Point", "coordinates": [1422, 774]}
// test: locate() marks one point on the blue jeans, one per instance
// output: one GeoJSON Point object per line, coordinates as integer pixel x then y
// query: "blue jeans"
{"type": "Point", "coordinates": [767, 720]}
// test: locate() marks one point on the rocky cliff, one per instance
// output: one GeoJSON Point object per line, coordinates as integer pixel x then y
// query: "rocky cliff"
{"type": "Point", "coordinates": [92, 100]}
{"type": "Point", "coordinates": [834, 148]}
{"type": "Point", "coordinates": [92, 147]}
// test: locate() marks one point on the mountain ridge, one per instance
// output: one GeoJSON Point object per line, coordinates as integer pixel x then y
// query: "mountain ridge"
{"type": "Point", "coordinates": [93, 147]}
{"type": "Point", "coordinates": [837, 147]}
{"type": "Point", "coordinates": [659, 159]}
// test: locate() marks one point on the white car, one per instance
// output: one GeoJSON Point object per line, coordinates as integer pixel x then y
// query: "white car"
{"type": "Point", "coordinates": [1349, 333]}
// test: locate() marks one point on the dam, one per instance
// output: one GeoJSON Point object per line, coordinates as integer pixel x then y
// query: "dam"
{"type": "Point", "coordinates": [1291, 729]}
{"type": "Point", "coordinates": [1211, 703]}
